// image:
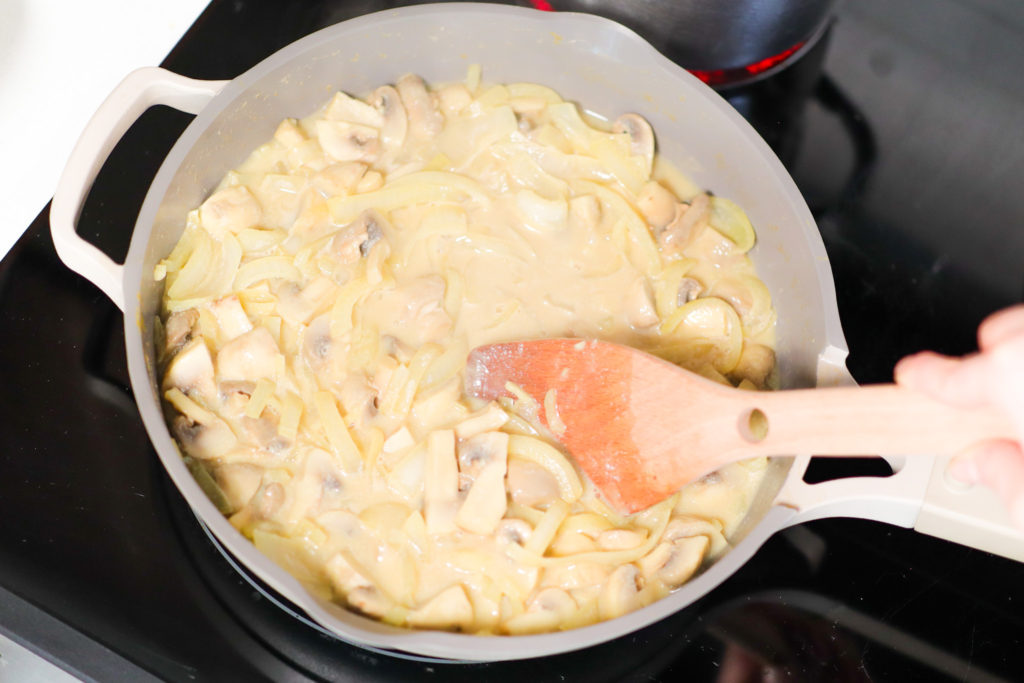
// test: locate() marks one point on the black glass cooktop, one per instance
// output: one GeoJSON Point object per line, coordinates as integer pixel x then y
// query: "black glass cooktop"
{"type": "Point", "coordinates": [902, 127]}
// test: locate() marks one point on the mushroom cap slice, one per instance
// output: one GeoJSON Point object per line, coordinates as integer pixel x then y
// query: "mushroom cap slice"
{"type": "Point", "coordinates": [425, 121]}
{"type": "Point", "coordinates": [450, 607]}
{"type": "Point", "coordinates": [621, 593]}
{"type": "Point", "coordinates": [191, 371]}
{"type": "Point", "coordinates": [252, 356]}
{"type": "Point", "coordinates": [657, 204]}
{"type": "Point", "coordinates": [550, 607]}
{"type": "Point", "coordinates": [344, 141]}
{"type": "Point", "coordinates": [485, 504]}
{"type": "Point", "coordinates": [641, 137]}
{"type": "Point", "coordinates": [674, 562]}
{"type": "Point", "coordinates": [388, 103]}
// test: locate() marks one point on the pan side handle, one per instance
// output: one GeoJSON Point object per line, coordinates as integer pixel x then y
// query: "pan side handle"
{"type": "Point", "coordinates": [140, 90]}
{"type": "Point", "coordinates": [972, 515]}
{"type": "Point", "coordinates": [919, 494]}
{"type": "Point", "coordinates": [895, 499]}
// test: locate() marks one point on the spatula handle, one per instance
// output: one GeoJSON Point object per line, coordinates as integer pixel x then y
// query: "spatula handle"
{"type": "Point", "coordinates": [883, 419]}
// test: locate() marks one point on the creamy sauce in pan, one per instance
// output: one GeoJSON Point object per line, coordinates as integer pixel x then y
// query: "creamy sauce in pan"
{"type": "Point", "coordinates": [318, 313]}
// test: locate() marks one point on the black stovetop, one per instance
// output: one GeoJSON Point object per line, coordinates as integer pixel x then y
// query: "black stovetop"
{"type": "Point", "coordinates": [909, 148]}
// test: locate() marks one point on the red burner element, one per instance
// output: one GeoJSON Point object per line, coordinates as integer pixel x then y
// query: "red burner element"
{"type": "Point", "coordinates": [741, 73]}
{"type": "Point", "coordinates": [542, 5]}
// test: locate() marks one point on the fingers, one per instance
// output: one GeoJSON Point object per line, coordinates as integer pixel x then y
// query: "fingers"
{"type": "Point", "coordinates": [1001, 326]}
{"type": "Point", "coordinates": [961, 382]}
{"type": "Point", "coordinates": [999, 465]}
{"type": "Point", "coordinates": [991, 378]}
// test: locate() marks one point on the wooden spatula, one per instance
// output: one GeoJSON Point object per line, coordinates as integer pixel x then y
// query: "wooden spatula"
{"type": "Point", "coordinates": [641, 427]}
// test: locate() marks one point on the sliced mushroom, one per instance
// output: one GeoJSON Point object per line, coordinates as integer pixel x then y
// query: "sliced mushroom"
{"type": "Point", "coordinates": [234, 397]}
{"type": "Point", "coordinates": [372, 180]}
{"type": "Point", "coordinates": [689, 289]}
{"type": "Point", "coordinates": [191, 371]}
{"type": "Point", "coordinates": [425, 121]}
{"type": "Point", "coordinates": [755, 365]}
{"type": "Point", "coordinates": [485, 504]}
{"type": "Point", "coordinates": [238, 481]}
{"type": "Point", "coordinates": [553, 600]}
{"type": "Point", "coordinates": [621, 593]}
{"type": "Point", "coordinates": [657, 205]}
{"type": "Point", "coordinates": [333, 490]}
{"type": "Point", "coordinates": [345, 141]}
{"type": "Point", "coordinates": [449, 608]}
{"type": "Point", "coordinates": [358, 397]}
{"type": "Point", "coordinates": [641, 136]}
{"type": "Point", "coordinates": [252, 356]}
{"type": "Point", "coordinates": [359, 592]}
{"type": "Point", "coordinates": [338, 179]}
{"type": "Point", "coordinates": [673, 562]}
{"type": "Point", "coordinates": [231, 317]}
{"type": "Point", "coordinates": [528, 111]}
{"type": "Point", "coordinates": [316, 342]}
{"type": "Point", "coordinates": [203, 438]}
{"type": "Point", "coordinates": [282, 197]}
{"type": "Point", "coordinates": [531, 484]}
{"type": "Point", "coordinates": [344, 576]}
{"type": "Point", "coordinates": [545, 611]}
{"type": "Point", "coordinates": [454, 98]}
{"type": "Point", "coordinates": [269, 499]}
{"type": "Point", "coordinates": [179, 329]}
{"type": "Point", "coordinates": [262, 431]}
{"type": "Point", "coordinates": [685, 526]}
{"type": "Point", "coordinates": [640, 311]}
{"type": "Point", "coordinates": [412, 313]}
{"type": "Point", "coordinates": [230, 210]}
{"type": "Point", "coordinates": [356, 239]}
{"type": "Point", "coordinates": [369, 601]}
{"type": "Point", "coordinates": [482, 450]}
{"type": "Point", "coordinates": [289, 134]}
{"type": "Point", "coordinates": [513, 531]}
{"type": "Point", "coordinates": [683, 227]}
{"type": "Point", "coordinates": [388, 104]}
{"type": "Point", "coordinates": [345, 108]}
{"type": "Point", "coordinates": [750, 299]}
{"type": "Point", "coordinates": [298, 306]}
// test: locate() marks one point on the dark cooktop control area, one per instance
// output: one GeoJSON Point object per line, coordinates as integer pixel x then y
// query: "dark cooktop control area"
{"type": "Point", "coordinates": [902, 126]}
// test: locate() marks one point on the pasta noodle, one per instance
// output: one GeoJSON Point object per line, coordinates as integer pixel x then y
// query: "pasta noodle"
{"type": "Point", "coordinates": [317, 315]}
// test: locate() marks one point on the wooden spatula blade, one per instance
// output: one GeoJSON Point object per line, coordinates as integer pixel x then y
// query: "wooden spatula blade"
{"type": "Point", "coordinates": [596, 387]}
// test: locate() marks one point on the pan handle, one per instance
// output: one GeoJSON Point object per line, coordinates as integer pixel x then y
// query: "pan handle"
{"type": "Point", "coordinates": [919, 494]}
{"type": "Point", "coordinates": [140, 90]}
{"type": "Point", "coordinates": [972, 515]}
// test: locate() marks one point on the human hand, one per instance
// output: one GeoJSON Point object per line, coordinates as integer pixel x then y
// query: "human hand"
{"type": "Point", "coordinates": [993, 377]}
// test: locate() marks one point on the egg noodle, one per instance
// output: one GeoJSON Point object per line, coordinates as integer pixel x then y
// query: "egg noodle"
{"type": "Point", "coordinates": [319, 308]}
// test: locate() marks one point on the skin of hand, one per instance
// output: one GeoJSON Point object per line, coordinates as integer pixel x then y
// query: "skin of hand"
{"type": "Point", "coordinates": [992, 377]}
